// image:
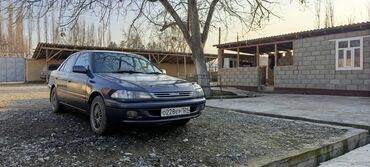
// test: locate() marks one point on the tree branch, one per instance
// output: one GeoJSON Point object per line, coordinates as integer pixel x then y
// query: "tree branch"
{"type": "Point", "coordinates": [165, 26]}
{"type": "Point", "coordinates": [208, 21]}
{"type": "Point", "coordinates": [178, 20]}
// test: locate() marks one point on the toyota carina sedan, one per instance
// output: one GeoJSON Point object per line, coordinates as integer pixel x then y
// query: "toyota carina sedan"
{"type": "Point", "coordinates": [114, 87]}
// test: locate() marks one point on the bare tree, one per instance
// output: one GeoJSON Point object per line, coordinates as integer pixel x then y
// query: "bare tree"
{"type": "Point", "coordinates": [368, 10]}
{"type": "Point", "coordinates": [194, 18]}
{"type": "Point", "coordinates": [46, 27]}
{"type": "Point", "coordinates": [53, 32]}
{"type": "Point", "coordinates": [134, 41]}
{"type": "Point", "coordinates": [2, 35]}
{"type": "Point", "coordinates": [19, 38]}
{"type": "Point", "coordinates": [92, 35]}
{"type": "Point", "coordinates": [10, 27]}
{"type": "Point", "coordinates": [29, 31]}
{"type": "Point", "coordinates": [38, 29]}
{"type": "Point", "coordinates": [351, 18]}
{"type": "Point", "coordinates": [318, 13]}
{"type": "Point", "coordinates": [170, 40]}
{"type": "Point", "coordinates": [100, 35]}
{"type": "Point", "coordinates": [109, 35]}
{"type": "Point", "coordinates": [329, 14]}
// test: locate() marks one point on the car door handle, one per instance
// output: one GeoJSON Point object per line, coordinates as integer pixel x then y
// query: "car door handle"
{"type": "Point", "coordinates": [91, 81]}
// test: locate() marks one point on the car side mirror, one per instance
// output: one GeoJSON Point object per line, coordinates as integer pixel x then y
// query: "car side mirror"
{"type": "Point", "coordinates": [79, 69]}
{"type": "Point", "coordinates": [164, 71]}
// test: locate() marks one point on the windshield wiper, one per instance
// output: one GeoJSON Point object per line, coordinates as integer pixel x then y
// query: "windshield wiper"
{"type": "Point", "coordinates": [153, 73]}
{"type": "Point", "coordinates": [127, 71]}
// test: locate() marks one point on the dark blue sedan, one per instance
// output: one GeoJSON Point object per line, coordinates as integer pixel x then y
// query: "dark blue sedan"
{"type": "Point", "coordinates": [114, 87]}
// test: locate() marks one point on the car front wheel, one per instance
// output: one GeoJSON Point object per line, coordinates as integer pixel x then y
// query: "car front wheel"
{"type": "Point", "coordinates": [98, 116]}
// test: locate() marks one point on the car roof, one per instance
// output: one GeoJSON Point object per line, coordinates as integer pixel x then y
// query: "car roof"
{"type": "Point", "coordinates": [109, 51]}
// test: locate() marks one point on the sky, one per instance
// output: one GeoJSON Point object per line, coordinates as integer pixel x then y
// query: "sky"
{"type": "Point", "coordinates": [293, 17]}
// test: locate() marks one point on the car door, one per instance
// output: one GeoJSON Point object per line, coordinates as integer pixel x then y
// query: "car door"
{"type": "Point", "coordinates": [61, 79]}
{"type": "Point", "coordinates": [77, 83]}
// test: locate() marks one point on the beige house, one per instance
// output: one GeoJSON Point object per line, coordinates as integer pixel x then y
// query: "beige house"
{"type": "Point", "coordinates": [330, 61]}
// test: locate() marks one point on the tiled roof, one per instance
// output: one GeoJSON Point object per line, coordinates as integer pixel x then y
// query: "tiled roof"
{"type": "Point", "coordinates": [299, 35]}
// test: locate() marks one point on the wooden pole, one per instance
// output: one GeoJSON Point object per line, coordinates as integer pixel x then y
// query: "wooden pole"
{"type": "Point", "coordinates": [47, 62]}
{"type": "Point", "coordinates": [238, 58]}
{"type": "Point", "coordinates": [257, 56]}
{"type": "Point", "coordinates": [275, 55]}
{"type": "Point", "coordinates": [219, 35]}
{"type": "Point", "coordinates": [178, 66]}
{"type": "Point", "coordinates": [220, 58]}
{"type": "Point", "coordinates": [185, 66]}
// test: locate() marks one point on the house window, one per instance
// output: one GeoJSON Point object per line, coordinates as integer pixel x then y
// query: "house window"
{"type": "Point", "coordinates": [349, 54]}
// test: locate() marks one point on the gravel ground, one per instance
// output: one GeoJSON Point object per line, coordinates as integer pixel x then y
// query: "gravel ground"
{"type": "Point", "coordinates": [33, 136]}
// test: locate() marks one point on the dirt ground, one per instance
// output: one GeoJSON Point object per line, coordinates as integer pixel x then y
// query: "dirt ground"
{"type": "Point", "coordinates": [33, 136]}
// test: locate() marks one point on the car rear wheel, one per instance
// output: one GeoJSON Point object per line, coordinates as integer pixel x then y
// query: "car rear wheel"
{"type": "Point", "coordinates": [54, 100]}
{"type": "Point", "coordinates": [98, 117]}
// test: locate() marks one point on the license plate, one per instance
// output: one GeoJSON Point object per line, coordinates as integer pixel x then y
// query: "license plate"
{"type": "Point", "coordinates": [166, 112]}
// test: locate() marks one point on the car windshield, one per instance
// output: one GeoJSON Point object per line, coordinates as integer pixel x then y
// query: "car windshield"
{"type": "Point", "coordinates": [106, 62]}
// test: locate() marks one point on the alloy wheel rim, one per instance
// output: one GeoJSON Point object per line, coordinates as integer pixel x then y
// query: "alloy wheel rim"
{"type": "Point", "coordinates": [97, 116]}
{"type": "Point", "coordinates": [53, 100]}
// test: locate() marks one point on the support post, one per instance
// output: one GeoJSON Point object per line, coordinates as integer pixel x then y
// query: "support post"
{"type": "Point", "coordinates": [257, 56]}
{"type": "Point", "coordinates": [220, 58]}
{"type": "Point", "coordinates": [47, 62]}
{"type": "Point", "coordinates": [275, 55]}
{"type": "Point", "coordinates": [238, 58]}
{"type": "Point", "coordinates": [185, 66]}
{"type": "Point", "coordinates": [178, 66]}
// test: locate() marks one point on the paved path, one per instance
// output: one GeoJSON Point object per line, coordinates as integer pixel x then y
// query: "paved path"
{"type": "Point", "coordinates": [356, 158]}
{"type": "Point", "coordinates": [339, 110]}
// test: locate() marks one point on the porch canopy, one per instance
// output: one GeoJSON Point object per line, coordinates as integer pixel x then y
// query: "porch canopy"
{"type": "Point", "coordinates": [50, 51]}
{"type": "Point", "coordinates": [273, 45]}
{"type": "Point", "coordinates": [53, 51]}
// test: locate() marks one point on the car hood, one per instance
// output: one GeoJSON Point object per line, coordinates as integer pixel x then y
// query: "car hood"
{"type": "Point", "coordinates": [149, 82]}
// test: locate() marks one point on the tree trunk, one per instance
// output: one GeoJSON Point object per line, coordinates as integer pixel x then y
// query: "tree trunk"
{"type": "Point", "coordinates": [197, 48]}
{"type": "Point", "coordinates": [201, 69]}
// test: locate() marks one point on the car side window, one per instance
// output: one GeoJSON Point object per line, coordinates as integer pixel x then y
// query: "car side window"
{"type": "Point", "coordinates": [83, 60]}
{"type": "Point", "coordinates": [69, 64]}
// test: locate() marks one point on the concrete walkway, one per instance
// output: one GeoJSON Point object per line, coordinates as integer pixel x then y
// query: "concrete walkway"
{"type": "Point", "coordinates": [338, 110]}
{"type": "Point", "coordinates": [356, 158]}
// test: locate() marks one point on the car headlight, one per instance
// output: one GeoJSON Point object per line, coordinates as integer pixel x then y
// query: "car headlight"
{"type": "Point", "coordinates": [198, 91]}
{"type": "Point", "coordinates": [130, 95]}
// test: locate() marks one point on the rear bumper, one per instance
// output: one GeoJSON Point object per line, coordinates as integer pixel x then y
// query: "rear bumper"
{"type": "Point", "coordinates": [150, 112]}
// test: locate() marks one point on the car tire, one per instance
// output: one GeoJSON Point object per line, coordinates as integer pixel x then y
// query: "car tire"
{"type": "Point", "coordinates": [54, 100]}
{"type": "Point", "coordinates": [99, 121]}
{"type": "Point", "coordinates": [181, 122]}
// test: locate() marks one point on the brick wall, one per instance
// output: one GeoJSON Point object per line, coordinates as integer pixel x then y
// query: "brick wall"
{"type": "Point", "coordinates": [242, 76]}
{"type": "Point", "coordinates": [314, 66]}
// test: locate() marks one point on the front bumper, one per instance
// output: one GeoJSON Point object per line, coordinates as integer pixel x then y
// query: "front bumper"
{"type": "Point", "coordinates": [150, 111]}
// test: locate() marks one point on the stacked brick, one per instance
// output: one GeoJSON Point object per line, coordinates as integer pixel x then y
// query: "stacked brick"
{"type": "Point", "coordinates": [314, 65]}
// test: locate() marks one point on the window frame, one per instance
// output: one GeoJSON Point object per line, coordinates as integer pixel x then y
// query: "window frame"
{"type": "Point", "coordinates": [88, 59]}
{"type": "Point", "coordinates": [73, 56]}
{"type": "Point", "coordinates": [352, 50]}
